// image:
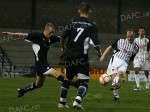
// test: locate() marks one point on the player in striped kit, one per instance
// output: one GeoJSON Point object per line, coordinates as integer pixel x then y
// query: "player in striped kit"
{"type": "Point", "coordinates": [141, 60]}
{"type": "Point", "coordinates": [125, 51]}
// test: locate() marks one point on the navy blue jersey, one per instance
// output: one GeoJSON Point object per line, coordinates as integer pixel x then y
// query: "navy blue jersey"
{"type": "Point", "coordinates": [80, 32]}
{"type": "Point", "coordinates": [40, 47]}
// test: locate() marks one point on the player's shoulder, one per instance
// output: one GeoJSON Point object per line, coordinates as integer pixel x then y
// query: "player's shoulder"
{"type": "Point", "coordinates": [92, 22]}
{"type": "Point", "coordinates": [84, 21]}
{"type": "Point", "coordinates": [121, 39]}
{"type": "Point", "coordinates": [35, 33]}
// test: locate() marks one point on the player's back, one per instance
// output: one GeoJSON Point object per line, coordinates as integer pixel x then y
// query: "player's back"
{"type": "Point", "coordinates": [79, 33]}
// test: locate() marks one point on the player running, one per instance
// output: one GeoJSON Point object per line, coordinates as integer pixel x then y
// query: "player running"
{"type": "Point", "coordinates": [41, 43]}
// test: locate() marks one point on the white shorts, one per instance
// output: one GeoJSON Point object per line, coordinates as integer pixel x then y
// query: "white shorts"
{"type": "Point", "coordinates": [144, 65]}
{"type": "Point", "coordinates": [116, 65]}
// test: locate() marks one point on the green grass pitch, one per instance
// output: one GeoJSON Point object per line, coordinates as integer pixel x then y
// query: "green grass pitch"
{"type": "Point", "coordinates": [98, 99]}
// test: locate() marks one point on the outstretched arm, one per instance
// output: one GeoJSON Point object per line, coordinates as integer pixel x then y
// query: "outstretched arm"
{"type": "Point", "coordinates": [15, 34]}
{"type": "Point", "coordinates": [105, 53]}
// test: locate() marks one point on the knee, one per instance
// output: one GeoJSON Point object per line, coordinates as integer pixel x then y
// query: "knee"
{"type": "Point", "coordinates": [84, 83]}
{"type": "Point", "coordinates": [66, 84]}
{"type": "Point", "coordinates": [136, 70]}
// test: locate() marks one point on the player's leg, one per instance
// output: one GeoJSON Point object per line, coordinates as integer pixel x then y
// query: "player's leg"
{"type": "Point", "coordinates": [115, 68]}
{"type": "Point", "coordinates": [137, 66]}
{"type": "Point", "coordinates": [146, 68]}
{"type": "Point", "coordinates": [65, 87]}
{"type": "Point", "coordinates": [115, 81]}
{"type": "Point", "coordinates": [137, 79]}
{"type": "Point", "coordinates": [83, 76]}
{"type": "Point", "coordinates": [118, 68]}
{"type": "Point", "coordinates": [37, 84]}
{"type": "Point", "coordinates": [147, 79]}
{"type": "Point", "coordinates": [53, 73]}
{"type": "Point", "coordinates": [116, 85]}
{"type": "Point", "coordinates": [81, 92]}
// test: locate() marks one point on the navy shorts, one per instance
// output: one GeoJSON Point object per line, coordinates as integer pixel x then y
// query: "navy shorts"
{"type": "Point", "coordinates": [76, 64]}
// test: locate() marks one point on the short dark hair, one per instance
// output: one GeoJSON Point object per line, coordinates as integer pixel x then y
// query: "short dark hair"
{"type": "Point", "coordinates": [49, 25]}
{"type": "Point", "coordinates": [84, 7]}
{"type": "Point", "coordinates": [141, 27]}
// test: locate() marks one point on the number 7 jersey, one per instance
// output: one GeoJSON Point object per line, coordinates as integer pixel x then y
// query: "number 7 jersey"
{"type": "Point", "coordinates": [80, 32]}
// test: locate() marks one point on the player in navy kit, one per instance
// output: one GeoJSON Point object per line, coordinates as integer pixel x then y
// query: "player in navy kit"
{"type": "Point", "coordinates": [40, 46]}
{"type": "Point", "coordinates": [79, 32]}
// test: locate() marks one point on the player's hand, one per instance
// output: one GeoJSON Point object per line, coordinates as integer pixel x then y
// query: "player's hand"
{"type": "Point", "coordinates": [62, 51]}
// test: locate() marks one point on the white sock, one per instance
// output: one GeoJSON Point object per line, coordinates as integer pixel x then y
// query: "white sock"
{"type": "Point", "coordinates": [147, 82]}
{"type": "Point", "coordinates": [115, 80]}
{"type": "Point", "coordinates": [116, 93]}
{"type": "Point", "coordinates": [137, 80]}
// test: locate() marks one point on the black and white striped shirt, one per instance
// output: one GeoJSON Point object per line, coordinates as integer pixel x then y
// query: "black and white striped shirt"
{"type": "Point", "coordinates": [143, 44]}
{"type": "Point", "coordinates": [124, 50]}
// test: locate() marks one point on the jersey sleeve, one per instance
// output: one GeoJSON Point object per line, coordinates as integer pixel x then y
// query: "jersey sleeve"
{"type": "Point", "coordinates": [32, 37]}
{"type": "Point", "coordinates": [133, 56]}
{"type": "Point", "coordinates": [148, 45]}
{"type": "Point", "coordinates": [94, 36]}
{"type": "Point", "coordinates": [114, 45]}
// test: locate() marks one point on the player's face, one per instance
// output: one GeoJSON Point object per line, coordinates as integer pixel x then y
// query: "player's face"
{"type": "Point", "coordinates": [141, 32]}
{"type": "Point", "coordinates": [130, 36]}
{"type": "Point", "coordinates": [49, 31]}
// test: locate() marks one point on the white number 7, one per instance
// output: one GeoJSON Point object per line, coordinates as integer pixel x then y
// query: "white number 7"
{"type": "Point", "coordinates": [79, 30]}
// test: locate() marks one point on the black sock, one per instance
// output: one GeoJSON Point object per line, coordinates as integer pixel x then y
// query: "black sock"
{"type": "Point", "coordinates": [64, 91]}
{"type": "Point", "coordinates": [31, 87]}
{"type": "Point", "coordinates": [82, 90]}
{"type": "Point", "coordinates": [75, 83]}
{"type": "Point", "coordinates": [60, 78]}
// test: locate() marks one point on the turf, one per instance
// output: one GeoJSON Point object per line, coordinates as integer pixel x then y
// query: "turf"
{"type": "Point", "coordinates": [98, 99]}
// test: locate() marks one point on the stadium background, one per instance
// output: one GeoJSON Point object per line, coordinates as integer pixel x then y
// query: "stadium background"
{"type": "Point", "coordinates": [113, 18]}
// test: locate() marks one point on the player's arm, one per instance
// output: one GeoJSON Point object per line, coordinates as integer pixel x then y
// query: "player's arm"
{"type": "Point", "coordinates": [114, 45]}
{"type": "Point", "coordinates": [62, 42]}
{"type": "Point", "coordinates": [64, 36]}
{"type": "Point", "coordinates": [105, 53]}
{"type": "Point", "coordinates": [99, 51]}
{"type": "Point", "coordinates": [97, 48]}
{"type": "Point", "coordinates": [95, 41]}
{"type": "Point", "coordinates": [15, 34]}
{"type": "Point", "coordinates": [148, 48]}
